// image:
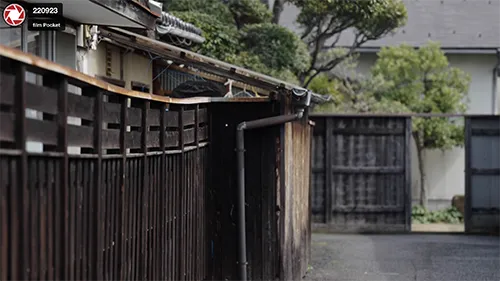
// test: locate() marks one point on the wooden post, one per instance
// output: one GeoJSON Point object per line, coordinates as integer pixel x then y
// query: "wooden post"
{"type": "Point", "coordinates": [328, 194]}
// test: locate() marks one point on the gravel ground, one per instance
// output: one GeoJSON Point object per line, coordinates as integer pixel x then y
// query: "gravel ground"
{"type": "Point", "coordinates": [415, 257]}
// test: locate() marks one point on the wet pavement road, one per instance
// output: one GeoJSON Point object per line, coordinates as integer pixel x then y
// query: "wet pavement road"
{"type": "Point", "coordinates": [407, 257]}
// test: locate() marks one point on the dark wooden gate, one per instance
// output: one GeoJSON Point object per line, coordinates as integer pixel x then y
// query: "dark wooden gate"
{"type": "Point", "coordinates": [482, 173]}
{"type": "Point", "coordinates": [361, 173]}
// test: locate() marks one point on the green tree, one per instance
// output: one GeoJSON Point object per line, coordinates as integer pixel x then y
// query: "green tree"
{"type": "Point", "coordinates": [323, 22]}
{"type": "Point", "coordinates": [242, 34]}
{"type": "Point", "coordinates": [423, 82]}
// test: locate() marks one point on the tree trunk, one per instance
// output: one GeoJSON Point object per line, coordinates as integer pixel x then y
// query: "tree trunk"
{"type": "Point", "coordinates": [421, 167]}
{"type": "Point", "coordinates": [277, 10]}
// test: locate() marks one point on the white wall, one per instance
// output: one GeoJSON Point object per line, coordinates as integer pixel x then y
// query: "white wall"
{"type": "Point", "coordinates": [135, 67]}
{"type": "Point", "coordinates": [445, 170]}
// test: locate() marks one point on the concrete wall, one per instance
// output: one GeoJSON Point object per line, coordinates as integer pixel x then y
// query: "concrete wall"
{"type": "Point", "coordinates": [445, 170]}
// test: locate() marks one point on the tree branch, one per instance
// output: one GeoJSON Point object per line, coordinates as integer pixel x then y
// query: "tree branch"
{"type": "Point", "coordinates": [277, 10]}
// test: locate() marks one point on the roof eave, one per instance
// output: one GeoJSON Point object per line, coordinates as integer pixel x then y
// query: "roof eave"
{"type": "Point", "coordinates": [205, 63]}
{"type": "Point", "coordinates": [446, 50]}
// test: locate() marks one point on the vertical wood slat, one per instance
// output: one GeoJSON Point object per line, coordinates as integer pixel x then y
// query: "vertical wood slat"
{"type": "Point", "coordinates": [164, 217]}
{"type": "Point", "coordinates": [328, 169]}
{"type": "Point", "coordinates": [468, 175]}
{"type": "Point", "coordinates": [21, 193]}
{"type": "Point", "coordinates": [196, 194]}
{"type": "Point", "coordinates": [124, 206]}
{"type": "Point", "coordinates": [91, 197]}
{"type": "Point", "coordinates": [145, 190]}
{"type": "Point", "coordinates": [407, 175]}
{"type": "Point", "coordinates": [182, 197]}
{"type": "Point", "coordinates": [62, 146]}
{"type": "Point", "coordinates": [98, 192]}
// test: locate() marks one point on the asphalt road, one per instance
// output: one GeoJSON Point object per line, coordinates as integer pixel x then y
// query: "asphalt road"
{"type": "Point", "coordinates": [407, 257]}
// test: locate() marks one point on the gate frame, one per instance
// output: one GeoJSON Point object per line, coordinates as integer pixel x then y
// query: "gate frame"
{"type": "Point", "coordinates": [469, 171]}
{"type": "Point", "coordinates": [328, 163]}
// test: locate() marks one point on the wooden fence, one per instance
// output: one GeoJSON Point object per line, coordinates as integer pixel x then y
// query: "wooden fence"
{"type": "Point", "coordinates": [361, 173]}
{"type": "Point", "coordinates": [482, 174]}
{"type": "Point", "coordinates": [129, 204]}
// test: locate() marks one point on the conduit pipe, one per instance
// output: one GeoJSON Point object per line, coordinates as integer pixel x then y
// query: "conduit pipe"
{"type": "Point", "coordinates": [240, 149]}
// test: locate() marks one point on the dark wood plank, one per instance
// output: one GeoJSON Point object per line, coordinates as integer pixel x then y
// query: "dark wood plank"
{"type": "Point", "coordinates": [203, 115]}
{"type": "Point", "coordinates": [203, 133]}
{"type": "Point", "coordinates": [124, 204]}
{"type": "Point", "coordinates": [116, 82]}
{"type": "Point", "coordinates": [153, 139]}
{"type": "Point", "coordinates": [367, 170]}
{"type": "Point", "coordinates": [329, 154]}
{"type": "Point", "coordinates": [110, 139]}
{"type": "Point", "coordinates": [485, 171]}
{"type": "Point", "coordinates": [41, 131]}
{"type": "Point", "coordinates": [189, 136]}
{"type": "Point", "coordinates": [7, 126]}
{"type": "Point", "coordinates": [171, 119]}
{"type": "Point", "coordinates": [97, 192]}
{"type": "Point", "coordinates": [81, 136]}
{"type": "Point", "coordinates": [368, 209]}
{"type": "Point", "coordinates": [4, 213]}
{"type": "Point", "coordinates": [7, 88]}
{"type": "Point", "coordinates": [153, 117]}
{"type": "Point", "coordinates": [369, 131]}
{"type": "Point", "coordinates": [61, 84]}
{"type": "Point", "coordinates": [486, 132]}
{"type": "Point", "coordinates": [134, 116]}
{"type": "Point", "coordinates": [188, 117]}
{"type": "Point", "coordinates": [145, 190]}
{"type": "Point", "coordinates": [41, 98]}
{"type": "Point", "coordinates": [171, 139]}
{"type": "Point", "coordinates": [81, 106]}
{"type": "Point", "coordinates": [111, 112]}
{"type": "Point", "coordinates": [132, 139]}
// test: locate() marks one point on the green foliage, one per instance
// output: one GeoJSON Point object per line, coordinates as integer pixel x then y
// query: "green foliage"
{"type": "Point", "coordinates": [423, 82]}
{"type": "Point", "coordinates": [249, 12]}
{"type": "Point", "coordinates": [420, 214]}
{"type": "Point", "coordinates": [324, 20]}
{"type": "Point", "coordinates": [277, 47]}
{"type": "Point", "coordinates": [324, 85]}
{"type": "Point", "coordinates": [208, 7]}
{"type": "Point", "coordinates": [372, 18]}
{"type": "Point", "coordinates": [259, 45]}
{"type": "Point", "coordinates": [253, 62]}
{"type": "Point", "coordinates": [222, 40]}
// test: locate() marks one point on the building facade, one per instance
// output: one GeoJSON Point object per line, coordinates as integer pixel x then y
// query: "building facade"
{"type": "Point", "coordinates": [468, 32]}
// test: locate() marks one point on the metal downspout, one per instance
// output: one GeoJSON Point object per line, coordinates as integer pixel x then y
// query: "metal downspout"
{"type": "Point", "coordinates": [496, 74]}
{"type": "Point", "coordinates": [240, 149]}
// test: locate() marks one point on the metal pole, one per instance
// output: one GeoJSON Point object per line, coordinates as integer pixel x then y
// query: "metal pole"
{"type": "Point", "coordinates": [240, 150]}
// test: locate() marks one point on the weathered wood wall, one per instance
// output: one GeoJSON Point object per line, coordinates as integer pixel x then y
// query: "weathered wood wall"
{"type": "Point", "coordinates": [260, 180]}
{"type": "Point", "coordinates": [295, 200]}
{"type": "Point", "coordinates": [361, 173]}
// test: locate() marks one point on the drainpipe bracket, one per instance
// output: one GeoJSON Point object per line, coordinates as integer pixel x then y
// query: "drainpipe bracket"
{"type": "Point", "coordinates": [240, 150]}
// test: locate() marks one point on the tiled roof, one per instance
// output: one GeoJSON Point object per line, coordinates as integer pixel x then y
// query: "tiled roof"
{"type": "Point", "coordinates": [172, 25]}
{"type": "Point", "coordinates": [461, 24]}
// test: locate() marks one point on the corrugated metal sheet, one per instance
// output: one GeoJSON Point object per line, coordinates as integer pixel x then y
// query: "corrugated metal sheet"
{"type": "Point", "coordinates": [482, 189]}
{"type": "Point", "coordinates": [361, 173]}
{"type": "Point", "coordinates": [170, 79]}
